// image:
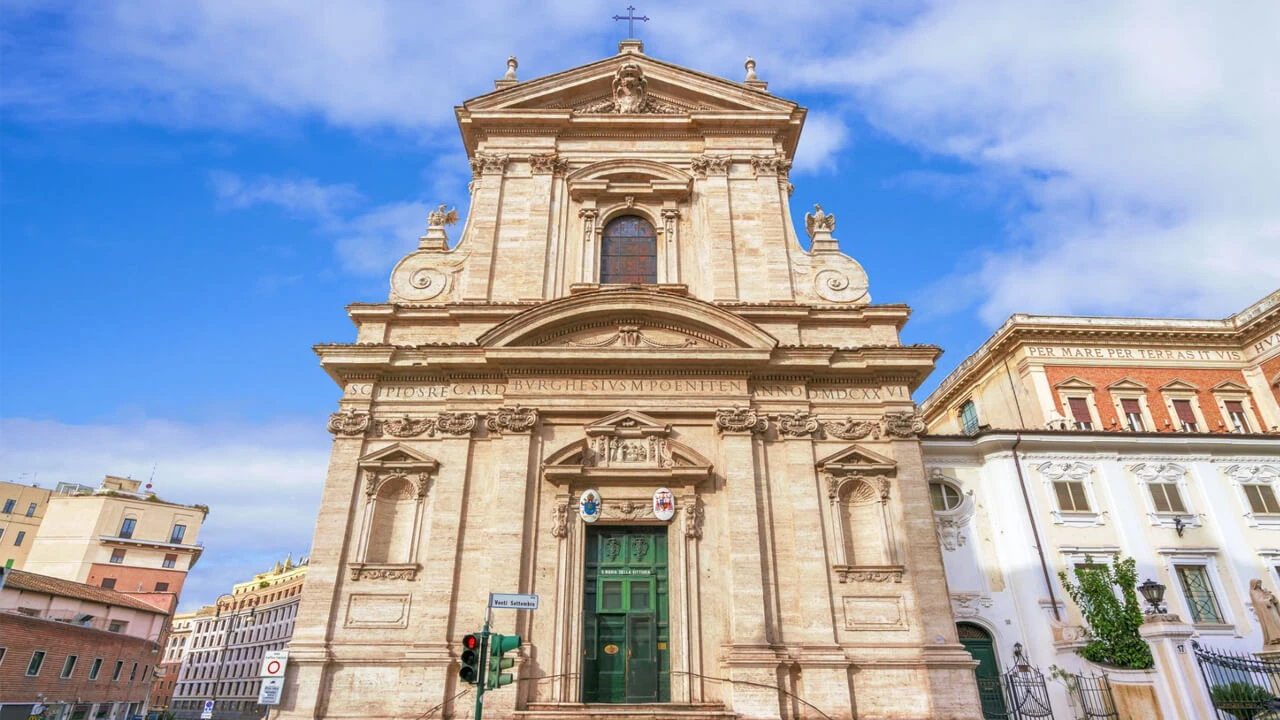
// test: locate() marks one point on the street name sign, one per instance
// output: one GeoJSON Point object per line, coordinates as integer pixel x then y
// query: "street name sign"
{"type": "Point", "coordinates": [509, 601]}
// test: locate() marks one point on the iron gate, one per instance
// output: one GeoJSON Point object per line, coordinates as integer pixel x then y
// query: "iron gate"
{"type": "Point", "coordinates": [1241, 687]}
{"type": "Point", "coordinates": [1093, 692]}
{"type": "Point", "coordinates": [1027, 696]}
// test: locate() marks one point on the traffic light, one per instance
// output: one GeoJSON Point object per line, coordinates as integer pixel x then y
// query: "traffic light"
{"type": "Point", "coordinates": [499, 646]}
{"type": "Point", "coordinates": [473, 666]}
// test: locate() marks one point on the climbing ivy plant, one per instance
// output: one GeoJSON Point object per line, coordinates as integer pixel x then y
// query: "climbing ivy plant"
{"type": "Point", "coordinates": [1113, 618]}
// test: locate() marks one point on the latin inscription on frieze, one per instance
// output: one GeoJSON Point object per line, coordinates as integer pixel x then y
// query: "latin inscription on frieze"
{"type": "Point", "coordinates": [1137, 354]}
{"type": "Point", "coordinates": [559, 387]}
{"type": "Point", "coordinates": [828, 393]}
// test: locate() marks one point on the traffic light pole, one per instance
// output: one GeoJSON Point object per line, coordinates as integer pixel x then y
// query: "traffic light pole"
{"type": "Point", "coordinates": [484, 659]}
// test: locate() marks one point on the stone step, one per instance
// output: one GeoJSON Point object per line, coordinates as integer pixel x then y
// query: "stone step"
{"type": "Point", "coordinates": [625, 711]}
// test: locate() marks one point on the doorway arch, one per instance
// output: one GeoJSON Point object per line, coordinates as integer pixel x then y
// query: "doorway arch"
{"type": "Point", "coordinates": [978, 641]}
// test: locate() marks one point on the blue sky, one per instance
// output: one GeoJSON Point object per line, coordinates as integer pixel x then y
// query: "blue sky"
{"type": "Point", "coordinates": [191, 192]}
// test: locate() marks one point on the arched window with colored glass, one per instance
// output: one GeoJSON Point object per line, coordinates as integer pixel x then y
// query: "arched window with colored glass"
{"type": "Point", "coordinates": [629, 252]}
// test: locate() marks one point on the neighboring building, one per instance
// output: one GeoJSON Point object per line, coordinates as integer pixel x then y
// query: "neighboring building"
{"type": "Point", "coordinates": [1065, 441]}
{"type": "Point", "coordinates": [74, 651]}
{"type": "Point", "coordinates": [175, 650]}
{"type": "Point", "coordinates": [223, 654]}
{"type": "Point", "coordinates": [629, 312]}
{"type": "Point", "coordinates": [22, 508]}
{"type": "Point", "coordinates": [121, 537]}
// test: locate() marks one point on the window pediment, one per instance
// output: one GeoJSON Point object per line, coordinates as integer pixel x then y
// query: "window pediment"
{"type": "Point", "coordinates": [1127, 384]}
{"type": "Point", "coordinates": [856, 460]}
{"type": "Point", "coordinates": [1075, 383]}
{"type": "Point", "coordinates": [627, 445]}
{"type": "Point", "coordinates": [1179, 386]}
{"type": "Point", "coordinates": [1230, 386]}
{"type": "Point", "coordinates": [398, 457]}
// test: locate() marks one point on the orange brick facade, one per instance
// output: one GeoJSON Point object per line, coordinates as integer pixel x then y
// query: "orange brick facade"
{"type": "Point", "coordinates": [1154, 379]}
{"type": "Point", "coordinates": [146, 584]}
{"type": "Point", "coordinates": [22, 636]}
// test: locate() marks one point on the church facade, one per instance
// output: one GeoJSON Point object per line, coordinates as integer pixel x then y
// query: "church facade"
{"type": "Point", "coordinates": [631, 389]}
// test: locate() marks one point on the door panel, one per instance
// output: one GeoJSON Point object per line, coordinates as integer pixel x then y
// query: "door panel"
{"type": "Point", "coordinates": [625, 653]}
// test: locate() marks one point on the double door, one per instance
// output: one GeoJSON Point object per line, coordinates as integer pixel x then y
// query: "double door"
{"type": "Point", "coordinates": [626, 635]}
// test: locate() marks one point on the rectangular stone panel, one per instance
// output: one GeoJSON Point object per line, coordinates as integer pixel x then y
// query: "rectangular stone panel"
{"type": "Point", "coordinates": [875, 612]}
{"type": "Point", "coordinates": [377, 611]}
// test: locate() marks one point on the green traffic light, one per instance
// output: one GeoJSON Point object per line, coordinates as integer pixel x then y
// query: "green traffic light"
{"type": "Point", "coordinates": [500, 645]}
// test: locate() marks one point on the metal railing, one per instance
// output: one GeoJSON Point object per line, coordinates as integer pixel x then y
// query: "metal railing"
{"type": "Point", "coordinates": [1093, 693]}
{"type": "Point", "coordinates": [1241, 687]}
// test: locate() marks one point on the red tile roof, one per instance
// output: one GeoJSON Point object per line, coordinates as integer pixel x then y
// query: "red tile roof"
{"type": "Point", "coordinates": [32, 582]}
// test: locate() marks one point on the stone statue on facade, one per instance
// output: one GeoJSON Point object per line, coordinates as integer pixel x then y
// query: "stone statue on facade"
{"type": "Point", "coordinates": [819, 221]}
{"type": "Point", "coordinates": [1268, 610]}
{"type": "Point", "coordinates": [440, 217]}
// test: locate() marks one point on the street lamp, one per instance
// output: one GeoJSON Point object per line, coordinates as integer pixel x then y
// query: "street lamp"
{"type": "Point", "coordinates": [1153, 593]}
{"type": "Point", "coordinates": [226, 636]}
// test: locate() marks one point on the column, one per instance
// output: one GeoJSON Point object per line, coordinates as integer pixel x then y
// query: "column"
{"type": "Point", "coordinates": [487, 170]}
{"type": "Point", "coordinates": [749, 654]}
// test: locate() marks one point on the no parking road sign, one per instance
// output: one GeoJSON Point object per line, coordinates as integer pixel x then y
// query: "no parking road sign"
{"type": "Point", "coordinates": [207, 712]}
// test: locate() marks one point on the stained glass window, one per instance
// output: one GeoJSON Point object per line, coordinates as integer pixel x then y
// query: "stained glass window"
{"type": "Point", "coordinates": [629, 252]}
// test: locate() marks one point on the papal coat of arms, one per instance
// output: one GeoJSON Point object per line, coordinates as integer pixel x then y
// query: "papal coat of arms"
{"type": "Point", "coordinates": [589, 506]}
{"type": "Point", "coordinates": [664, 504]}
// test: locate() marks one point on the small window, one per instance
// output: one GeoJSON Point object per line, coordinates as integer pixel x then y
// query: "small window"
{"type": "Point", "coordinates": [1262, 499]}
{"type": "Point", "coordinates": [969, 417]}
{"type": "Point", "coordinates": [17, 540]}
{"type": "Point", "coordinates": [1235, 413]}
{"type": "Point", "coordinates": [126, 528]}
{"type": "Point", "coordinates": [1080, 413]}
{"type": "Point", "coordinates": [162, 587]}
{"type": "Point", "coordinates": [8, 506]}
{"type": "Point", "coordinates": [115, 675]}
{"type": "Point", "coordinates": [1133, 414]}
{"type": "Point", "coordinates": [169, 560]}
{"type": "Point", "coordinates": [1198, 591]}
{"type": "Point", "coordinates": [1071, 496]}
{"type": "Point", "coordinates": [1166, 497]}
{"type": "Point", "coordinates": [31, 510]}
{"type": "Point", "coordinates": [179, 532]}
{"type": "Point", "coordinates": [68, 666]}
{"type": "Point", "coordinates": [109, 583]}
{"type": "Point", "coordinates": [117, 626]}
{"type": "Point", "coordinates": [2, 654]}
{"type": "Point", "coordinates": [1, 533]}
{"type": "Point", "coordinates": [133, 674]}
{"type": "Point", "coordinates": [943, 496]}
{"type": "Point", "coordinates": [33, 667]}
{"type": "Point", "coordinates": [95, 668]}
{"type": "Point", "coordinates": [1186, 416]}
{"type": "Point", "coordinates": [117, 557]}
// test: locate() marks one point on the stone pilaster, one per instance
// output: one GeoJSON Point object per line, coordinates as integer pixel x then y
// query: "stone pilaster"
{"type": "Point", "coordinates": [487, 170]}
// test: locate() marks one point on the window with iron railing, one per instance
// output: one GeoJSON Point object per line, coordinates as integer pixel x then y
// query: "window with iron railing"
{"type": "Point", "coordinates": [1202, 603]}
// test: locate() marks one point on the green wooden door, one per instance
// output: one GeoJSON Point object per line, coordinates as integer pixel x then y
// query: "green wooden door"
{"type": "Point", "coordinates": [990, 690]}
{"type": "Point", "coordinates": [625, 633]}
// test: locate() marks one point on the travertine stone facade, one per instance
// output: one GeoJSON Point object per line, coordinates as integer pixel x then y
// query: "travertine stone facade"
{"type": "Point", "coordinates": [740, 368]}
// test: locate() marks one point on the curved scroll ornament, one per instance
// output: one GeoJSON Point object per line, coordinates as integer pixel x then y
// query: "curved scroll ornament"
{"type": "Point", "coordinates": [516, 419]}
{"type": "Point", "coordinates": [905, 424]}
{"type": "Point", "coordinates": [384, 573]}
{"type": "Point", "coordinates": [853, 573]}
{"type": "Point", "coordinates": [741, 420]}
{"type": "Point", "coordinates": [834, 285]}
{"type": "Point", "coordinates": [349, 423]}
{"type": "Point", "coordinates": [456, 423]}
{"type": "Point", "coordinates": [407, 427]}
{"type": "Point", "coordinates": [849, 428]}
{"type": "Point", "coordinates": [797, 424]}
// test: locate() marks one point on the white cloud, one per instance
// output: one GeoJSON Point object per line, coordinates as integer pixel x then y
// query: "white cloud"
{"type": "Point", "coordinates": [1136, 141]}
{"type": "Point", "coordinates": [301, 196]}
{"type": "Point", "coordinates": [824, 137]}
{"type": "Point", "coordinates": [371, 243]}
{"type": "Point", "coordinates": [261, 481]}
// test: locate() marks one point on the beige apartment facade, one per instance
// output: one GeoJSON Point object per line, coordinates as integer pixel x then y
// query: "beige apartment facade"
{"type": "Point", "coordinates": [121, 537]}
{"type": "Point", "coordinates": [631, 389]}
{"type": "Point", "coordinates": [22, 509]}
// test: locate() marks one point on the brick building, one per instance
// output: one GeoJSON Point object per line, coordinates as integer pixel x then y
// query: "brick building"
{"type": "Point", "coordinates": [175, 650]}
{"type": "Point", "coordinates": [73, 651]}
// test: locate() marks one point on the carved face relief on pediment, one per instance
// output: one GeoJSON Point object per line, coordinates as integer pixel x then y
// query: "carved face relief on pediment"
{"type": "Point", "coordinates": [635, 335]}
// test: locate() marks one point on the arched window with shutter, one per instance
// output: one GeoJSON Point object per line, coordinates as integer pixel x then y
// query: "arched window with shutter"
{"type": "Point", "coordinates": [629, 252]}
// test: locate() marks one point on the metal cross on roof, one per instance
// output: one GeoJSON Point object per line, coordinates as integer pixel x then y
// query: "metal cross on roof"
{"type": "Point", "coordinates": [631, 19]}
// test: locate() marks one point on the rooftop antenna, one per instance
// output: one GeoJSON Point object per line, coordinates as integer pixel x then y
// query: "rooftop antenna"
{"type": "Point", "coordinates": [153, 474]}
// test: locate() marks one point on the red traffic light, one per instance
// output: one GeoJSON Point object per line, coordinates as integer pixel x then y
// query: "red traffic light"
{"type": "Point", "coordinates": [471, 642]}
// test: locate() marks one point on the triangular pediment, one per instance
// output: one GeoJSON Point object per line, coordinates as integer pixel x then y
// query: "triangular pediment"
{"type": "Point", "coordinates": [1179, 386]}
{"type": "Point", "coordinates": [1075, 383]}
{"type": "Point", "coordinates": [628, 423]}
{"type": "Point", "coordinates": [1230, 386]}
{"type": "Point", "coordinates": [1127, 384]}
{"type": "Point", "coordinates": [397, 456]}
{"type": "Point", "coordinates": [857, 459]}
{"type": "Point", "coordinates": [668, 89]}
